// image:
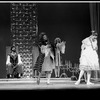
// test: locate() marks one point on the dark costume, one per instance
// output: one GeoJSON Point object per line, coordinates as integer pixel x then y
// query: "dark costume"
{"type": "Point", "coordinates": [40, 58]}
{"type": "Point", "coordinates": [14, 69]}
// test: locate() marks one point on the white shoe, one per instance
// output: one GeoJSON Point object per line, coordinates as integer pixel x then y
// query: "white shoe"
{"type": "Point", "coordinates": [89, 83]}
{"type": "Point", "coordinates": [48, 82]}
{"type": "Point", "coordinates": [19, 75]}
{"type": "Point", "coordinates": [77, 82]}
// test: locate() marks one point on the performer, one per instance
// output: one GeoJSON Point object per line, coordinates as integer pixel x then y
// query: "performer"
{"type": "Point", "coordinates": [45, 60]}
{"type": "Point", "coordinates": [14, 64]}
{"type": "Point", "coordinates": [89, 59]}
{"type": "Point", "coordinates": [59, 48]}
{"type": "Point", "coordinates": [48, 64]}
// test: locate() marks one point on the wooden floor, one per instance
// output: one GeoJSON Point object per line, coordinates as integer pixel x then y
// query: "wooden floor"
{"type": "Point", "coordinates": [56, 83]}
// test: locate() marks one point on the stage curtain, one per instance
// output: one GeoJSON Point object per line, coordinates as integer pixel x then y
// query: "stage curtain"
{"type": "Point", "coordinates": [94, 21]}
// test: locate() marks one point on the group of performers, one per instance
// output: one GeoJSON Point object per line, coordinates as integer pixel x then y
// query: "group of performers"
{"type": "Point", "coordinates": [48, 58]}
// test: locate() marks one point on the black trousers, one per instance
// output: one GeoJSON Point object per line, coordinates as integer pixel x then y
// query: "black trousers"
{"type": "Point", "coordinates": [12, 71]}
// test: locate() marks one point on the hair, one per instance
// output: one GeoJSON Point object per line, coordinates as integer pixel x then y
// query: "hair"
{"type": "Point", "coordinates": [94, 33]}
{"type": "Point", "coordinates": [13, 49]}
{"type": "Point", "coordinates": [57, 40]}
{"type": "Point", "coordinates": [41, 35]}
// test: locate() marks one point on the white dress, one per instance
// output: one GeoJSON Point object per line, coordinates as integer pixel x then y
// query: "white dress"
{"type": "Point", "coordinates": [48, 64]}
{"type": "Point", "coordinates": [89, 58]}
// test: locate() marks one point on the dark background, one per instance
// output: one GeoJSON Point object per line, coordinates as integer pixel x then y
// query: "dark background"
{"type": "Point", "coordinates": [4, 36]}
{"type": "Point", "coordinates": [69, 21]}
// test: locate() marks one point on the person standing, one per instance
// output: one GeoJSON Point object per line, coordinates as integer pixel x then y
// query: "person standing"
{"type": "Point", "coordinates": [89, 58]}
{"type": "Point", "coordinates": [57, 42]}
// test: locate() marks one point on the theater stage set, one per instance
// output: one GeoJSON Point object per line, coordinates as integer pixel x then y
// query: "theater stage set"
{"type": "Point", "coordinates": [24, 26]}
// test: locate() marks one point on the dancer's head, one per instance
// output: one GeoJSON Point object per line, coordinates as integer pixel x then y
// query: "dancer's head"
{"type": "Point", "coordinates": [94, 34]}
{"type": "Point", "coordinates": [43, 36]}
{"type": "Point", "coordinates": [57, 40]}
{"type": "Point", "coordinates": [13, 50]}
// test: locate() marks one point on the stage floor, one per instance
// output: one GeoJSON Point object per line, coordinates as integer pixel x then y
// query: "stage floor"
{"type": "Point", "coordinates": [56, 83]}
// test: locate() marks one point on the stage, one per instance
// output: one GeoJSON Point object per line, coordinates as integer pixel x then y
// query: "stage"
{"type": "Point", "coordinates": [56, 83]}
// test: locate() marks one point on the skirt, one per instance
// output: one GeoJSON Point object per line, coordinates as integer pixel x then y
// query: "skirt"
{"type": "Point", "coordinates": [89, 60]}
{"type": "Point", "coordinates": [39, 62]}
{"type": "Point", "coordinates": [48, 64]}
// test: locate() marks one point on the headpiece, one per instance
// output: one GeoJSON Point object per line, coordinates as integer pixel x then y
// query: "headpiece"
{"type": "Point", "coordinates": [94, 33]}
{"type": "Point", "coordinates": [57, 40]}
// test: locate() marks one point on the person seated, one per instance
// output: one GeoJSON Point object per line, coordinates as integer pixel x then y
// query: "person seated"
{"type": "Point", "coordinates": [14, 64]}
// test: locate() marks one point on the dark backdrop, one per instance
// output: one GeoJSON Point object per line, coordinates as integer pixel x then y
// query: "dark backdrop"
{"type": "Point", "coordinates": [4, 36]}
{"type": "Point", "coordinates": [70, 22]}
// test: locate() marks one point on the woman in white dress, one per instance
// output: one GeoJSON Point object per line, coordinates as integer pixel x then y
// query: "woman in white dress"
{"type": "Point", "coordinates": [89, 58]}
{"type": "Point", "coordinates": [48, 64]}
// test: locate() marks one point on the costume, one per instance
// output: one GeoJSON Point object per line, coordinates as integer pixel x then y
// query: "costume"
{"type": "Point", "coordinates": [45, 61]}
{"type": "Point", "coordinates": [39, 62]}
{"type": "Point", "coordinates": [14, 67]}
{"type": "Point", "coordinates": [40, 58]}
{"type": "Point", "coordinates": [89, 59]}
{"type": "Point", "coordinates": [48, 64]}
{"type": "Point", "coordinates": [57, 56]}
{"type": "Point", "coordinates": [57, 59]}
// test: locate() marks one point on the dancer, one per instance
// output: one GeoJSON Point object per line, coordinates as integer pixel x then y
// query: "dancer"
{"type": "Point", "coordinates": [45, 60]}
{"type": "Point", "coordinates": [59, 48]}
{"type": "Point", "coordinates": [48, 64]}
{"type": "Point", "coordinates": [89, 59]}
{"type": "Point", "coordinates": [57, 41]}
{"type": "Point", "coordinates": [14, 64]}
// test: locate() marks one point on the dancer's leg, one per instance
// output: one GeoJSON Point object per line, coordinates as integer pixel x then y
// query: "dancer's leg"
{"type": "Point", "coordinates": [38, 79]}
{"type": "Point", "coordinates": [48, 77]}
{"type": "Point", "coordinates": [58, 71]}
{"type": "Point", "coordinates": [80, 76]}
{"type": "Point", "coordinates": [9, 71]}
{"type": "Point", "coordinates": [85, 76]}
{"type": "Point", "coordinates": [55, 71]}
{"type": "Point", "coordinates": [88, 78]}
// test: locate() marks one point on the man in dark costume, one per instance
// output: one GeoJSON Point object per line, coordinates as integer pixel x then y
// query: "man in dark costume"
{"type": "Point", "coordinates": [14, 64]}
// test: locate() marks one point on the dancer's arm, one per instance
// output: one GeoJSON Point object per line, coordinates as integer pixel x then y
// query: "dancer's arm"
{"type": "Point", "coordinates": [19, 60]}
{"type": "Point", "coordinates": [8, 60]}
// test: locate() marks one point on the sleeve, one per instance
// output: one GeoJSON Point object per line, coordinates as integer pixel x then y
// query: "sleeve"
{"type": "Point", "coordinates": [8, 60]}
{"type": "Point", "coordinates": [52, 55]}
{"type": "Point", "coordinates": [83, 46]}
{"type": "Point", "coordinates": [85, 41]}
{"type": "Point", "coordinates": [19, 59]}
{"type": "Point", "coordinates": [95, 45]}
